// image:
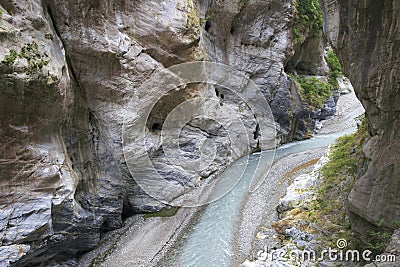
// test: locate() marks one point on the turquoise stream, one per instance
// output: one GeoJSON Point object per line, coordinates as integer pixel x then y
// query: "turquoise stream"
{"type": "Point", "coordinates": [209, 242]}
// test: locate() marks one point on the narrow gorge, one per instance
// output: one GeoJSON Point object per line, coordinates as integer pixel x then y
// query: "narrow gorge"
{"type": "Point", "coordinates": [121, 119]}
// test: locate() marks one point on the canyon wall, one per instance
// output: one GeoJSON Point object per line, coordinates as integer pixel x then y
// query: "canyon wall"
{"type": "Point", "coordinates": [69, 72]}
{"type": "Point", "coordinates": [259, 39]}
{"type": "Point", "coordinates": [366, 37]}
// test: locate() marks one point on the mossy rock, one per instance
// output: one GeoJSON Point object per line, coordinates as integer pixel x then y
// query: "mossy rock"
{"type": "Point", "coordinates": [165, 212]}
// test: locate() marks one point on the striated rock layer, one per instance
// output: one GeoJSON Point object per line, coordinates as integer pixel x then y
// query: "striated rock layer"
{"type": "Point", "coordinates": [68, 73]}
{"type": "Point", "coordinates": [257, 37]}
{"type": "Point", "coordinates": [366, 37]}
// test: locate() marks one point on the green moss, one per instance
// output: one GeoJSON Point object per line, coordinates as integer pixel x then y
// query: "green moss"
{"type": "Point", "coordinates": [335, 69]}
{"type": "Point", "coordinates": [312, 90]}
{"type": "Point", "coordinates": [338, 176]}
{"type": "Point", "coordinates": [308, 19]}
{"type": "Point", "coordinates": [10, 58]}
{"type": "Point", "coordinates": [165, 212]}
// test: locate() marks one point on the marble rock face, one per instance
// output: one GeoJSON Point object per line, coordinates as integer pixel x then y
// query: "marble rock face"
{"type": "Point", "coordinates": [71, 74]}
{"type": "Point", "coordinates": [369, 49]}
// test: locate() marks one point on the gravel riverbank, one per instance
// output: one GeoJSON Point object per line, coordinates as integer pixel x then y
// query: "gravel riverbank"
{"type": "Point", "coordinates": [141, 242]}
{"type": "Point", "coordinates": [260, 208]}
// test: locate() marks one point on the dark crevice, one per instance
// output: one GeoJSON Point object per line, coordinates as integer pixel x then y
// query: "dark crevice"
{"type": "Point", "coordinates": [202, 130]}
{"type": "Point", "coordinates": [127, 209]}
{"type": "Point", "coordinates": [156, 126]}
{"type": "Point", "coordinates": [256, 133]}
{"type": "Point", "coordinates": [207, 26]}
{"type": "Point", "coordinates": [47, 8]}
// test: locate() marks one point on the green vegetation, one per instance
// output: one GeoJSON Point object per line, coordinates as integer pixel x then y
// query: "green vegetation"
{"type": "Point", "coordinates": [243, 4]}
{"type": "Point", "coordinates": [10, 58]}
{"type": "Point", "coordinates": [344, 159]}
{"type": "Point", "coordinates": [312, 90]}
{"type": "Point", "coordinates": [193, 21]}
{"type": "Point", "coordinates": [379, 239]}
{"type": "Point", "coordinates": [207, 18]}
{"type": "Point", "coordinates": [315, 91]}
{"type": "Point", "coordinates": [308, 19]}
{"type": "Point", "coordinates": [30, 52]}
{"type": "Point", "coordinates": [325, 214]}
{"type": "Point", "coordinates": [338, 176]}
{"type": "Point", "coordinates": [165, 212]}
{"type": "Point", "coordinates": [334, 66]}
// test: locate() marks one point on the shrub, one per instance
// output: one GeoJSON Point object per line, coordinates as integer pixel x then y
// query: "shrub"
{"type": "Point", "coordinates": [335, 69]}
{"type": "Point", "coordinates": [10, 58]}
{"type": "Point", "coordinates": [30, 52]}
{"type": "Point", "coordinates": [308, 18]}
{"type": "Point", "coordinates": [312, 90]}
{"type": "Point", "coordinates": [338, 176]}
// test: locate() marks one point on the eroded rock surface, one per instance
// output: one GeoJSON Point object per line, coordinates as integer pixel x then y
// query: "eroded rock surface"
{"type": "Point", "coordinates": [257, 37]}
{"type": "Point", "coordinates": [69, 72]}
{"type": "Point", "coordinates": [366, 37]}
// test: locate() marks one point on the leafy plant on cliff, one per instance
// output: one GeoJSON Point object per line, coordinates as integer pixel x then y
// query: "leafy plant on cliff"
{"type": "Point", "coordinates": [307, 18]}
{"type": "Point", "coordinates": [10, 58]}
{"type": "Point", "coordinates": [30, 52]}
{"type": "Point", "coordinates": [334, 66]}
{"type": "Point", "coordinates": [338, 176]}
{"type": "Point", "coordinates": [193, 21]}
{"type": "Point", "coordinates": [35, 59]}
{"type": "Point", "coordinates": [312, 90]}
{"type": "Point", "coordinates": [379, 239]}
{"type": "Point", "coordinates": [207, 18]}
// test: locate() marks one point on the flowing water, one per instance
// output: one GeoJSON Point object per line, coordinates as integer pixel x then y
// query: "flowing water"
{"type": "Point", "coordinates": [210, 238]}
{"type": "Point", "coordinates": [209, 242]}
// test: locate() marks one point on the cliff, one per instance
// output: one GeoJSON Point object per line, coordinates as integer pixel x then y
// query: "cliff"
{"type": "Point", "coordinates": [366, 37]}
{"type": "Point", "coordinates": [68, 74]}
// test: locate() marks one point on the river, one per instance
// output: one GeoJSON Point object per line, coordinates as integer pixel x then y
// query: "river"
{"type": "Point", "coordinates": [211, 238]}
{"type": "Point", "coordinates": [209, 243]}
